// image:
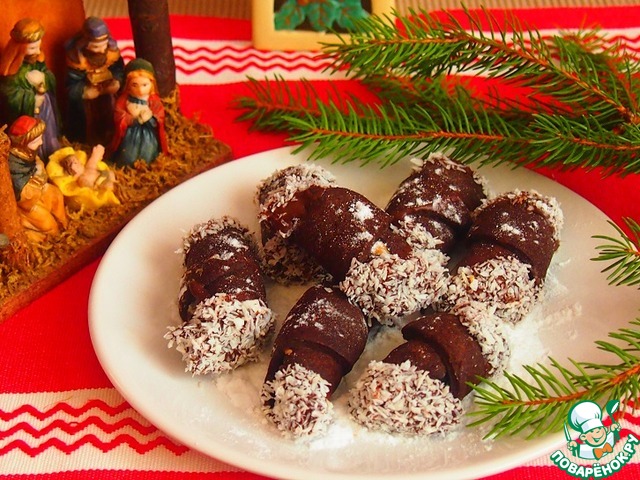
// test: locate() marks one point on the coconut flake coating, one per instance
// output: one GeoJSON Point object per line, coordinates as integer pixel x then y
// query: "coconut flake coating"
{"type": "Point", "coordinates": [523, 224]}
{"type": "Point", "coordinates": [401, 399]}
{"type": "Point", "coordinates": [222, 334]}
{"type": "Point", "coordinates": [388, 287]}
{"type": "Point", "coordinates": [287, 264]}
{"type": "Point", "coordinates": [419, 236]}
{"type": "Point", "coordinates": [320, 340]}
{"type": "Point", "coordinates": [503, 283]}
{"type": "Point", "coordinates": [296, 402]}
{"type": "Point", "coordinates": [284, 261]}
{"type": "Point", "coordinates": [220, 256]}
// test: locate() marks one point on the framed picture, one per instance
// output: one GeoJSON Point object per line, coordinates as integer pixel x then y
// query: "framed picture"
{"type": "Point", "coordinates": [305, 24]}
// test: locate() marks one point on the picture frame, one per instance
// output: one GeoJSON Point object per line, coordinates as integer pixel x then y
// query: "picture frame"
{"type": "Point", "coordinates": [267, 15]}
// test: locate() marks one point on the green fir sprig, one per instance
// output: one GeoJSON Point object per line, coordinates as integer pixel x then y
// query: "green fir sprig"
{"type": "Point", "coordinates": [575, 95]}
{"type": "Point", "coordinates": [539, 404]}
{"type": "Point", "coordinates": [623, 252]}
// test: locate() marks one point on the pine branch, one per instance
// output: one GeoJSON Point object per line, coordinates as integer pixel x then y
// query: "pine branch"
{"type": "Point", "coordinates": [565, 67]}
{"type": "Point", "coordinates": [389, 132]}
{"type": "Point", "coordinates": [274, 101]}
{"type": "Point", "coordinates": [580, 110]}
{"type": "Point", "coordinates": [624, 253]}
{"type": "Point", "coordinates": [540, 404]}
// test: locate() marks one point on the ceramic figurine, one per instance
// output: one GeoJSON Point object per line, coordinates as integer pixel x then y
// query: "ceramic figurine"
{"type": "Point", "coordinates": [40, 203]}
{"type": "Point", "coordinates": [138, 117]}
{"type": "Point", "coordinates": [94, 75]}
{"type": "Point", "coordinates": [27, 86]}
{"type": "Point", "coordinates": [86, 182]}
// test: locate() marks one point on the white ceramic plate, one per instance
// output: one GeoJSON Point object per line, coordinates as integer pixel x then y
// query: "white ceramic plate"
{"type": "Point", "coordinates": [133, 300]}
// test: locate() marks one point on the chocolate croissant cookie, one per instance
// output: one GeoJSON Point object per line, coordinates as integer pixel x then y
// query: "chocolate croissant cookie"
{"type": "Point", "coordinates": [417, 389]}
{"type": "Point", "coordinates": [222, 299]}
{"type": "Point", "coordinates": [510, 246]}
{"type": "Point", "coordinates": [284, 261]}
{"type": "Point", "coordinates": [318, 344]}
{"type": "Point", "coordinates": [353, 240]}
{"type": "Point", "coordinates": [434, 204]}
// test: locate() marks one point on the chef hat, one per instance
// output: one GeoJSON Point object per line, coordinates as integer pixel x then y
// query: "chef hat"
{"type": "Point", "coordinates": [585, 416]}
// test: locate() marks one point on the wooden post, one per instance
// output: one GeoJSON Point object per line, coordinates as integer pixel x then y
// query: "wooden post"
{"type": "Point", "coordinates": [152, 40]}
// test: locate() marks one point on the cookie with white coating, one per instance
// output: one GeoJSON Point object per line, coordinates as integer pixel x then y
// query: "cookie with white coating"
{"type": "Point", "coordinates": [284, 261]}
{"type": "Point", "coordinates": [353, 240]}
{"type": "Point", "coordinates": [433, 205]}
{"type": "Point", "coordinates": [318, 344]}
{"type": "Point", "coordinates": [417, 389]}
{"type": "Point", "coordinates": [510, 246]}
{"type": "Point", "coordinates": [222, 300]}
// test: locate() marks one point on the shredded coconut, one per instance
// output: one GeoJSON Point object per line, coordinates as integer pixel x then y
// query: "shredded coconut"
{"type": "Point", "coordinates": [401, 399]}
{"type": "Point", "coordinates": [213, 227]}
{"type": "Point", "coordinates": [222, 334]}
{"type": "Point", "coordinates": [296, 402]}
{"type": "Point", "coordinates": [502, 282]}
{"type": "Point", "coordinates": [416, 234]}
{"type": "Point", "coordinates": [287, 264]}
{"type": "Point", "coordinates": [488, 330]}
{"type": "Point", "coordinates": [388, 287]}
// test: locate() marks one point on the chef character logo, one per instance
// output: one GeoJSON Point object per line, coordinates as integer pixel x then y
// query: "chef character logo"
{"type": "Point", "coordinates": [596, 440]}
{"type": "Point", "coordinates": [595, 443]}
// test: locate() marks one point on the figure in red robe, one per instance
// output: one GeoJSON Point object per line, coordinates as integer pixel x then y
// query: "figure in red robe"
{"type": "Point", "coordinates": [138, 117]}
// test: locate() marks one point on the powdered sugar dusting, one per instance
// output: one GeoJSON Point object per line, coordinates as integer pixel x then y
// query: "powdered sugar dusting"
{"type": "Point", "coordinates": [361, 211]}
{"type": "Point", "coordinates": [548, 207]}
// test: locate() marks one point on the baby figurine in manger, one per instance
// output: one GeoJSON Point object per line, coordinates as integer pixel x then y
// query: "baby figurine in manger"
{"type": "Point", "coordinates": [138, 117]}
{"type": "Point", "coordinates": [86, 182]}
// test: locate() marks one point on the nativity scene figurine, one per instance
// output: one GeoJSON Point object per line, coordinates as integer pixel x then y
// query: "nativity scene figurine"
{"type": "Point", "coordinates": [27, 86]}
{"type": "Point", "coordinates": [95, 71]}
